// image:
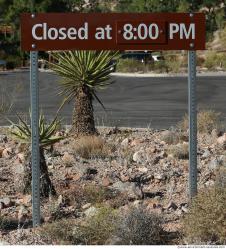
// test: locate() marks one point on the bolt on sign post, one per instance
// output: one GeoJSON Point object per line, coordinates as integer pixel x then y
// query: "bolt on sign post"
{"type": "Point", "coordinates": [115, 31]}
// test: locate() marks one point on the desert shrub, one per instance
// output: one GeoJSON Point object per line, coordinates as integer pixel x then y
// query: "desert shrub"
{"type": "Point", "coordinates": [180, 151]}
{"type": "Point", "coordinates": [118, 200]}
{"type": "Point", "coordinates": [173, 63]}
{"type": "Point", "coordinates": [130, 66]}
{"type": "Point", "coordinates": [200, 61]}
{"type": "Point", "coordinates": [96, 194]}
{"type": "Point", "coordinates": [159, 66]}
{"type": "Point", "coordinates": [139, 227]}
{"type": "Point", "coordinates": [173, 137]}
{"type": "Point", "coordinates": [214, 60]}
{"type": "Point", "coordinates": [221, 176]}
{"type": "Point", "coordinates": [205, 222]}
{"type": "Point", "coordinates": [8, 223]}
{"type": "Point", "coordinates": [68, 160]}
{"type": "Point", "coordinates": [13, 62]}
{"type": "Point", "coordinates": [60, 232]}
{"type": "Point", "coordinates": [207, 120]}
{"type": "Point", "coordinates": [79, 195]}
{"type": "Point", "coordinates": [92, 147]}
{"type": "Point", "coordinates": [97, 230]}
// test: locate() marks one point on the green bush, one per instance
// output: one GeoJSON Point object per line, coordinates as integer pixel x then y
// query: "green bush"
{"type": "Point", "coordinates": [207, 120]}
{"type": "Point", "coordinates": [139, 227]}
{"type": "Point", "coordinates": [99, 229]}
{"type": "Point", "coordinates": [205, 223]}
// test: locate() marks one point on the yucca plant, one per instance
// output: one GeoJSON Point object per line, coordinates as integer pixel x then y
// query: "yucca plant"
{"type": "Point", "coordinates": [22, 132]}
{"type": "Point", "coordinates": [83, 73]}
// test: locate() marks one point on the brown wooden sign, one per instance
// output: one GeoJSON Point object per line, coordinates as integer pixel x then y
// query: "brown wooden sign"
{"type": "Point", "coordinates": [115, 31]}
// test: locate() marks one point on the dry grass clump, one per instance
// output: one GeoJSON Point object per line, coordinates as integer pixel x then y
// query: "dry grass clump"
{"type": "Point", "coordinates": [173, 137]}
{"type": "Point", "coordinates": [206, 121]}
{"type": "Point", "coordinates": [58, 232]}
{"type": "Point", "coordinates": [8, 223]}
{"type": "Point", "coordinates": [180, 151]}
{"type": "Point", "coordinates": [68, 160]}
{"type": "Point", "coordinates": [79, 195]}
{"type": "Point", "coordinates": [221, 177]}
{"type": "Point", "coordinates": [139, 227]}
{"type": "Point", "coordinates": [96, 194]}
{"type": "Point", "coordinates": [92, 147]}
{"type": "Point", "coordinates": [205, 223]}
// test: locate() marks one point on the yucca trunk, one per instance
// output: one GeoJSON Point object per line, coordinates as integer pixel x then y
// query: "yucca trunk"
{"type": "Point", "coordinates": [83, 118]}
{"type": "Point", "coordinates": [46, 186]}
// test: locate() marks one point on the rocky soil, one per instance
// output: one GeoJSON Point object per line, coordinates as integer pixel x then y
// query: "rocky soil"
{"type": "Point", "coordinates": [144, 167]}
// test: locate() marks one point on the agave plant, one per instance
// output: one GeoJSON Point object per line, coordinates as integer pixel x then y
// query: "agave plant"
{"type": "Point", "coordinates": [22, 131]}
{"type": "Point", "coordinates": [83, 73]}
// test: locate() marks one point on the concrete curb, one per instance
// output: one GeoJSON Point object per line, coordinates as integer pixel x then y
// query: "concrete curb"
{"type": "Point", "coordinates": [135, 75]}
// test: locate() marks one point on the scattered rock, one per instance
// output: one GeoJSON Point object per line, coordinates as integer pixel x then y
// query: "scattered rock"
{"type": "Point", "coordinates": [1, 151]}
{"type": "Point", "coordinates": [222, 139]}
{"type": "Point", "coordinates": [172, 205]}
{"type": "Point", "coordinates": [21, 157]}
{"type": "Point", "coordinates": [143, 169]}
{"type": "Point", "coordinates": [7, 153]}
{"type": "Point", "coordinates": [137, 157]}
{"type": "Point", "coordinates": [206, 154]}
{"type": "Point", "coordinates": [125, 142]}
{"type": "Point", "coordinates": [130, 188]}
{"type": "Point", "coordinates": [216, 163]}
{"type": "Point", "coordinates": [91, 211]}
{"type": "Point", "coordinates": [209, 183]}
{"type": "Point", "coordinates": [184, 209]}
{"type": "Point", "coordinates": [6, 201]}
{"type": "Point", "coordinates": [3, 139]}
{"type": "Point", "coordinates": [60, 200]}
{"type": "Point", "coordinates": [106, 182]}
{"type": "Point", "coordinates": [159, 176]}
{"type": "Point", "coordinates": [87, 205]}
{"type": "Point", "coordinates": [136, 142]}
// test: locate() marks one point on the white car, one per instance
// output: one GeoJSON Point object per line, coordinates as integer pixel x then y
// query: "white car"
{"type": "Point", "coordinates": [157, 57]}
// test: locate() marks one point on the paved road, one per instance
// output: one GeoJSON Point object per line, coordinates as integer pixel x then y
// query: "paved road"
{"type": "Point", "coordinates": [158, 102]}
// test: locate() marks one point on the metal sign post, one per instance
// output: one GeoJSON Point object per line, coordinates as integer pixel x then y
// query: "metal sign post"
{"type": "Point", "coordinates": [34, 93]}
{"type": "Point", "coordinates": [192, 123]}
